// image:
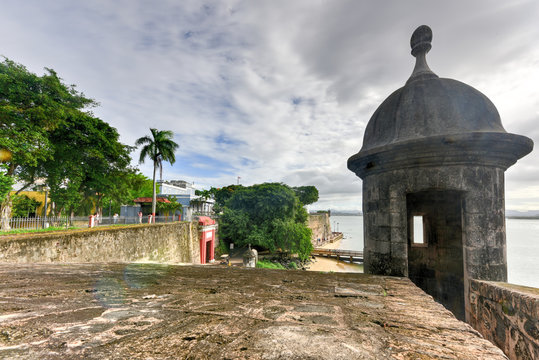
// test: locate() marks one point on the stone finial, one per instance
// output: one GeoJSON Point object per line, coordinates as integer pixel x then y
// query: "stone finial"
{"type": "Point", "coordinates": [421, 39]}
{"type": "Point", "coordinates": [421, 44]}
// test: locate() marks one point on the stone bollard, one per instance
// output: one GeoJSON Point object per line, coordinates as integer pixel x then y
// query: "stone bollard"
{"type": "Point", "coordinates": [250, 258]}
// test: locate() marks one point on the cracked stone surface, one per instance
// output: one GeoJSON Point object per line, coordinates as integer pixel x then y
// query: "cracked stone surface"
{"type": "Point", "coordinates": [148, 311]}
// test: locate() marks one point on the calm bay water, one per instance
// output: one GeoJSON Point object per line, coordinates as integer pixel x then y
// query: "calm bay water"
{"type": "Point", "coordinates": [522, 245]}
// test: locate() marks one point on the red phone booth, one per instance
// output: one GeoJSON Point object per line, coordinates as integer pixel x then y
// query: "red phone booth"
{"type": "Point", "coordinates": [207, 239]}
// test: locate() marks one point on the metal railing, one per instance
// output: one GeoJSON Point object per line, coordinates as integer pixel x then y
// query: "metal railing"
{"type": "Point", "coordinates": [123, 220]}
{"type": "Point", "coordinates": [39, 222]}
{"type": "Point", "coordinates": [34, 223]}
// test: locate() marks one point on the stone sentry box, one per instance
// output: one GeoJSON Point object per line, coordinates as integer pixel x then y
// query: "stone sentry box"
{"type": "Point", "coordinates": [436, 150]}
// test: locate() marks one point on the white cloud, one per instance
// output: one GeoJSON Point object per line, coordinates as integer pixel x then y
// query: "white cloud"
{"type": "Point", "coordinates": [276, 90]}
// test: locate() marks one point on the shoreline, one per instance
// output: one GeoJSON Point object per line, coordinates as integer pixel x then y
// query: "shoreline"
{"type": "Point", "coordinates": [333, 265]}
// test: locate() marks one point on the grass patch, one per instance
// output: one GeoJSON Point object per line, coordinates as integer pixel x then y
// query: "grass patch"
{"type": "Point", "coordinates": [26, 231]}
{"type": "Point", "coordinates": [266, 264]}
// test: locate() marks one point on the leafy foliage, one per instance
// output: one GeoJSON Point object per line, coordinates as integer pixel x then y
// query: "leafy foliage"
{"type": "Point", "coordinates": [306, 194]}
{"type": "Point", "coordinates": [6, 182]}
{"type": "Point", "coordinates": [159, 147]}
{"type": "Point", "coordinates": [93, 163]}
{"type": "Point", "coordinates": [293, 236]}
{"type": "Point", "coordinates": [170, 207]}
{"type": "Point", "coordinates": [268, 216]}
{"type": "Point", "coordinates": [31, 107]}
{"type": "Point", "coordinates": [48, 132]}
{"type": "Point", "coordinates": [266, 264]}
{"type": "Point", "coordinates": [24, 206]}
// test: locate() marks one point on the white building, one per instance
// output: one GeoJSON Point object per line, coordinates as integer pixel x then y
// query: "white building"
{"type": "Point", "coordinates": [184, 192]}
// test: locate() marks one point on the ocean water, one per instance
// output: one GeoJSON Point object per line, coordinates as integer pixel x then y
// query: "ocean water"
{"type": "Point", "coordinates": [522, 245]}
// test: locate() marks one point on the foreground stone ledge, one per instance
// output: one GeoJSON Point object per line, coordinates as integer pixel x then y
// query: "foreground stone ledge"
{"type": "Point", "coordinates": [145, 311]}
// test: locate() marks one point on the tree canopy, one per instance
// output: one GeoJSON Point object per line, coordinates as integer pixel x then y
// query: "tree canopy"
{"type": "Point", "coordinates": [93, 162]}
{"type": "Point", "coordinates": [49, 133]}
{"type": "Point", "coordinates": [269, 216]}
{"type": "Point", "coordinates": [24, 206]}
{"type": "Point", "coordinates": [306, 194]}
{"type": "Point", "coordinates": [31, 107]}
{"type": "Point", "coordinates": [159, 147]}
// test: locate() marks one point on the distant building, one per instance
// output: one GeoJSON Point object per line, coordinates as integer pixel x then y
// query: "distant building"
{"type": "Point", "coordinates": [145, 205]}
{"type": "Point", "coordinates": [184, 192]}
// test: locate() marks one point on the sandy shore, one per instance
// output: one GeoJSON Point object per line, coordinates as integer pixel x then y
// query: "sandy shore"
{"type": "Point", "coordinates": [333, 245]}
{"type": "Point", "coordinates": [329, 264]}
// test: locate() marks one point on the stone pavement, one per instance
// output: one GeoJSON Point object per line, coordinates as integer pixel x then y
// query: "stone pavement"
{"type": "Point", "coordinates": [147, 311]}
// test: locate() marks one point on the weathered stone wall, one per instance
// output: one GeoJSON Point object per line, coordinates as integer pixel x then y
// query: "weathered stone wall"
{"type": "Point", "coordinates": [508, 316]}
{"type": "Point", "coordinates": [176, 242]}
{"type": "Point", "coordinates": [385, 217]}
{"type": "Point", "coordinates": [483, 236]}
{"type": "Point", "coordinates": [321, 228]}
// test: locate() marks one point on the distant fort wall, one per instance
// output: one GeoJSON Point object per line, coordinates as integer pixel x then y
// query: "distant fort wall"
{"type": "Point", "coordinates": [321, 228]}
{"type": "Point", "coordinates": [508, 316]}
{"type": "Point", "coordinates": [176, 242]}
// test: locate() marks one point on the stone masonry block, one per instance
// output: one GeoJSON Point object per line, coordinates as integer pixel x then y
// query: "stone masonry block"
{"type": "Point", "coordinates": [382, 219]}
{"type": "Point", "coordinates": [396, 191]}
{"type": "Point", "coordinates": [383, 247]}
{"type": "Point", "coordinates": [398, 234]}
{"type": "Point", "coordinates": [496, 256]}
{"type": "Point", "coordinates": [399, 250]}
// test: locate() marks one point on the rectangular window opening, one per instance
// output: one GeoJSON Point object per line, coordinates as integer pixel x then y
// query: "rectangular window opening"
{"type": "Point", "coordinates": [419, 232]}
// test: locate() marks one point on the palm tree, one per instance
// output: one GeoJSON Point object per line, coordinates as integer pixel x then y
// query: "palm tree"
{"type": "Point", "coordinates": [159, 147]}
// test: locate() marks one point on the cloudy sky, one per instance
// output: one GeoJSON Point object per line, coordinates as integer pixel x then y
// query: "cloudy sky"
{"type": "Point", "coordinates": [277, 90]}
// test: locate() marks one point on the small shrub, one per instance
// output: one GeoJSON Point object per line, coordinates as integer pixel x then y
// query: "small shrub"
{"type": "Point", "coordinates": [265, 264]}
{"type": "Point", "coordinates": [221, 249]}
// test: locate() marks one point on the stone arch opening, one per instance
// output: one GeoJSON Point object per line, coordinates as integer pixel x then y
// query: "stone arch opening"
{"type": "Point", "coordinates": [436, 264]}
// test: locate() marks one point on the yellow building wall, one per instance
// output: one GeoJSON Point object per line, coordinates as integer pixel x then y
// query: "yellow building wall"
{"type": "Point", "coordinates": [38, 196]}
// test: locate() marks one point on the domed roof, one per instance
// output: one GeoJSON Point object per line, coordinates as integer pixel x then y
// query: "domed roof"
{"type": "Point", "coordinates": [429, 106]}
{"type": "Point", "coordinates": [433, 121]}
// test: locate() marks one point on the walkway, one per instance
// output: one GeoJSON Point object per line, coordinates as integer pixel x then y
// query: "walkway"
{"type": "Point", "coordinates": [352, 255]}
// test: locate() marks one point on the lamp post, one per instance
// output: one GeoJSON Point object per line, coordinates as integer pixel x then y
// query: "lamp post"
{"type": "Point", "coordinates": [45, 207]}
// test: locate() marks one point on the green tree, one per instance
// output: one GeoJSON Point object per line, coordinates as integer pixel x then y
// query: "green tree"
{"type": "Point", "coordinates": [296, 237]}
{"type": "Point", "coordinates": [306, 194]}
{"type": "Point", "coordinates": [170, 207]}
{"type": "Point", "coordinates": [221, 196]}
{"type": "Point", "coordinates": [159, 147]}
{"type": "Point", "coordinates": [94, 164]}
{"type": "Point", "coordinates": [23, 206]}
{"type": "Point", "coordinates": [269, 216]}
{"type": "Point", "coordinates": [131, 185]}
{"type": "Point", "coordinates": [206, 194]}
{"type": "Point", "coordinates": [6, 182]}
{"type": "Point", "coordinates": [31, 107]}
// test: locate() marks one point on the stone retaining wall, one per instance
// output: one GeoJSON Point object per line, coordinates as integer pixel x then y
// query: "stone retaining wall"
{"type": "Point", "coordinates": [176, 243]}
{"type": "Point", "coordinates": [321, 228]}
{"type": "Point", "coordinates": [508, 316]}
